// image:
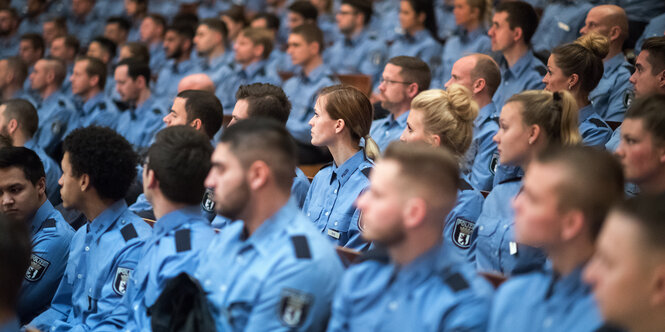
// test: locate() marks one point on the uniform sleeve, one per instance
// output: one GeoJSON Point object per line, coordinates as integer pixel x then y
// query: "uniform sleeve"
{"type": "Point", "coordinates": [341, 306]}
{"type": "Point", "coordinates": [372, 64]}
{"type": "Point", "coordinates": [595, 136]}
{"type": "Point", "coordinates": [355, 242]}
{"type": "Point", "coordinates": [61, 306]}
{"type": "Point", "coordinates": [616, 106]}
{"type": "Point", "coordinates": [482, 171]}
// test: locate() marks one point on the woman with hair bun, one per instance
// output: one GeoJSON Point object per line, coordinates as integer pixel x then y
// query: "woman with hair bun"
{"type": "Point", "coordinates": [529, 122]}
{"type": "Point", "coordinates": [445, 119]}
{"type": "Point", "coordinates": [578, 67]}
{"type": "Point", "coordinates": [342, 116]}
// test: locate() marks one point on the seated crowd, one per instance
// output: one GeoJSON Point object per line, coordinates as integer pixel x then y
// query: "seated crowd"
{"type": "Point", "coordinates": [320, 165]}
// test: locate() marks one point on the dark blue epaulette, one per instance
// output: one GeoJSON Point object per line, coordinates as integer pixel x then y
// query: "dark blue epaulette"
{"type": "Point", "coordinates": [515, 179]}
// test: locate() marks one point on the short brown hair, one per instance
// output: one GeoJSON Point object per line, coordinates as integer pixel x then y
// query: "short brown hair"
{"type": "Point", "coordinates": [413, 70]}
{"type": "Point", "coordinates": [260, 36]}
{"type": "Point", "coordinates": [487, 69]}
{"type": "Point", "coordinates": [311, 34]}
{"type": "Point", "coordinates": [95, 67]}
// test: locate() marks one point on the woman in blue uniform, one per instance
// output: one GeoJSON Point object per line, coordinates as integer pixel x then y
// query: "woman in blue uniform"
{"type": "Point", "coordinates": [342, 116]}
{"type": "Point", "coordinates": [529, 122]}
{"type": "Point", "coordinates": [445, 119]}
{"type": "Point", "coordinates": [578, 67]}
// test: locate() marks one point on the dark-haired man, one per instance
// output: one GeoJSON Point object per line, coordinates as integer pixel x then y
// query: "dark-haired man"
{"type": "Point", "coordinates": [23, 198]}
{"type": "Point", "coordinates": [210, 42]}
{"type": "Point", "coordinates": [270, 269]}
{"type": "Point", "coordinates": [177, 48]}
{"type": "Point", "coordinates": [9, 37]}
{"type": "Point", "coordinates": [13, 73]}
{"type": "Point", "coordinates": [88, 82]}
{"type": "Point", "coordinates": [83, 21]}
{"type": "Point", "coordinates": [98, 168]}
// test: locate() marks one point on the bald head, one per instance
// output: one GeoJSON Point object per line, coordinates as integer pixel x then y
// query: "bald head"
{"type": "Point", "coordinates": [198, 81]}
{"type": "Point", "coordinates": [468, 70]}
{"type": "Point", "coordinates": [608, 20]}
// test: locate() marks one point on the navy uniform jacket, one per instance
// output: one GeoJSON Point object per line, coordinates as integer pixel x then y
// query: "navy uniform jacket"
{"type": "Point", "coordinates": [553, 303]}
{"type": "Point", "coordinates": [330, 201]}
{"type": "Point", "coordinates": [526, 74]}
{"type": "Point", "coordinates": [235, 76]}
{"type": "Point", "coordinates": [461, 221]}
{"type": "Point", "coordinates": [177, 244]}
{"type": "Point", "coordinates": [51, 236]}
{"type": "Point", "coordinates": [170, 75]}
{"type": "Point", "coordinates": [494, 248]}
{"type": "Point", "coordinates": [281, 278]}
{"type": "Point", "coordinates": [594, 131]}
{"type": "Point", "coordinates": [655, 28]}
{"type": "Point", "coordinates": [103, 255]}
{"type": "Point", "coordinates": [364, 54]}
{"type": "Point", "coordinates": [421, 45]}
{"type": "Point", "coordinates": [388, 129]}
{"type": "Point", "coordinates": [302, 91]}
{"type": "Point", "coordinates": [431, 293]}
{"type": "Point", "coordinates": [140, 125]}
{"type": "Point", "coordinates": [482, 158]}
{"type": "Point", "coordinates": [52, 170]}
{"type": "Point", "coordinates": [97, 111]}
{"type": "Point", "coordinates": [609, 98]}
{"type": "Point", "coordinates": [461, 44]}
{"type": "Point", "coordinates": [560, 23]}
{"type": "Point", "coordinates": [57, 115]}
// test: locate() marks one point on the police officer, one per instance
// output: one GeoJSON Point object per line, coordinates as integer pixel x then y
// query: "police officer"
{"type": "Point", "coordinates": [559, 24]}
{"type": "Point", "coordinates": [57, 113]}
{"type": "Point", "coordinates": [177, 164]}
{"type": "Point", "coordinates": [10, 37]}
{"type": "Point", "coordinates": [445, 119]}
{"type": "Point", "coordinates": [19, 121]}
{"type": "Point", "coordinates": [98, 169]}
{"type": "Point", "coordinates": [403, 78]}
{"type": "Point", "coordinates": [141, 121]}
{"type": "Point", "coordinates": [23, 184]}
{"type": "Point", "coordinates": [271, 269]}
{"type": "Point", "coordinates": [252, 48]}
{"type": "Point", "coordinates": [481, 75]}
{"type": "Point", "coordinates": [414, 285]}
{"type": "Point", "coordinates": [84, 21]}
{"type": "Point", "coordinates": [15, 249]}
{"type": "Point", "coordinates": [609, 97]}
{"type": "Point", "coordinates": [30, 50]}
{"type": "Point", "coordinates": [278, 59]}
{"type": "Point", "coordinates": [513, 25]}
{"type": "Point", "coordinates": [304, 46]}
{"type": "Point", "coordinates": [210, 41]}
{"type": "Point", "coordinates": [177, 48]}
{"type": "Point", "coordinates": [359, 51]}
{"type": "Point", "coordinates": [11, 83]}
{"type": "Point", "coordinates": [65, 48]}
{"type": "Point", "coordinates": [88, 82]}
{"type": "Point", "coordinates": [566, 195]}
{"type": "Point", "coordinates": [523, 132]}
{"type": "Point", "coordinates": [152, 30]}
{"type": "Point", "coordinates": [105, 49]}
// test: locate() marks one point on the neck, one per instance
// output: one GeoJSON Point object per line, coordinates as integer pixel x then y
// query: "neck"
{"type": "Point", "coordinates": [654, 185]}
{"type": "Point", "coordinates": [248, 63]}
{"type": "Point", "coordinates": [48, 91]}
{"type": "Point", "coordinates": [582, 99]}
{"type": "Point", "coordinates": [143, 96]}
{"type": "Point", "coordinates": [415, 30]}
{"type": "Point", "coordinates": [218, 51]}
{"type": "Point", "coordinates": [19, 138]}
{"type": "Point", "coordinates": [565, 257]}
{"type": "Point", "coordinates": [482, 99]}
{"type": "Point", "coordinates": [94, 206]}
{"type": "Point", "coordinates": [9, 91]}
{"type": "Point", "coordinates": [312, 64]}
{"type": "Point", "coordinates": [342, 150]}
{"type": "Point", "coordinates": [470, 26]}
{"type": "Point", "coordinates": [183, 57]}
{"type": "Point", "coordinates": [615, 49]}
{"type": "Point", "coordinates": [514, 53]}
{"type": "Point", "coordinates": [414, 246]}
{"type": "Point", "coordinates": [162, 206]}
{"type": "Point", "coordinates": [90, 94]}
{"type": "Point", "coordinates": [262, 206]}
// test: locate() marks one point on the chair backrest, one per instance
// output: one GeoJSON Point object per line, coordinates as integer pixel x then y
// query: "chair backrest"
{"type": "Point", "coordinates": [348, 256]}
{"type": "Point", "coordinates": [310, 170]}
{"type": "Point", "coordinates": [362, 82]}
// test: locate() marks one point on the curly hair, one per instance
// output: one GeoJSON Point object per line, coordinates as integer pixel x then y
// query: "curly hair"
{"type": "Point", "coordinates": [105, 156]}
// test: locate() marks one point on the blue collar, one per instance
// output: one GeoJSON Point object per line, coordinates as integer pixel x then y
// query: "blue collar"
{"type": "Point", "coordinates": [485, 113]}
{"type": "Point", "coordinates": [343, 173]}
{"type": "Point", "coordinates": [253, 68]}
{"type": "Point", "coordinates": [92, 102]}
{"type": "Point", "coordinates": [106, 219]}
{"type": "Point", "coordinates": [175, 219]}
{"type": "Point", "coordinates": [420, 268]}
{"type": "Point", "coordinates": [520, 66]}
{"type": "Point", "coordinates": [273, 228]}
{"type": "Point", "coordinates": [31, 144]}
{"type": "Point", "coordinates": [467, 36]}
{"type": "Point", "coordinates": [315, 75]}
{"type": "Point", "coordinates": [400, 120]}
{"type": "Point", "coordinates": [613, 64]}
{"type": "Point", "coordinates": [354, 40]}
{"type": "Point", "coordinates": [566, 285]}
{"type": "Point", "coordinates": [584, 113]}
{"type": "Point", "coordinates": [416, 37]}
{"type": "Point", "coordinates": [40, 216]}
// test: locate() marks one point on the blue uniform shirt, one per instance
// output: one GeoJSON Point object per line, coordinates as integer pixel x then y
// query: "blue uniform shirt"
{"type": "Point", "coordinates": [281, 62]}
{"type": "Point", "coordinates": [526, 74]}
{"type": "Point", "coordinates": [299, 188]}
{"type": "Point", "coordinates": [445, 19]}
{"type": "Point", "coordinates": [170, 75]}
{"type": "Point", "coordinates": [461, 44]}
{"type": "Point", "coordinates": [460, 222]}
{"type": "Point", "coordinates": [176, 245]}
{"type": "Point", "coordinates": [431, 293]}
{"type": "Point", "coordinates": [52, 170]}
{"type": "Point", "coordinates": [494, 248]}
{"type": "Point", "coordinates": [560, 23]}
{"type": "Point", "coordinates": [655, 28]}
{"type": "Point", "coordinates": [302, 91]}
{"type": "Point", "coordinates": [31, 25]}
{"type": "Point", "coordinates": [420, 45]}
{"type": "Point", "coordinates": [102, 256]}
{"type": "Point", "coordinates": [157, 57]}
{"type": "Point", "coordinates": [482, 157]}
{"type": "Point", "coordinates": [364, 54]}
{"type": "Point", "coordinates": [51, 236]}
{"type": "Point", "coordinates": [642, 10]}
{"type": "Point", "coordinates": [594, 131]}
{"type": "Point", "coordinates": [257, 72]}
{"type": "Point", "coordinates": [214, 67]}
{"type": "Point", "coordinates": [385, 20]}
{"type": "Point", "coordinates": [57, 116]}
{"type": "Point", "coordinates": [140, 125]}
{"type": "Point", "coordinates": [553, 303]}
{"type": "Point", "coordinates": [609, 98]}
{"type": "Point", "coordinates": [282, 277]}
{"type": "Point", "coordinates": [86, 28]}
{"type": "Point", "coordinates": [330, 201]}
{"type": "Point", "coordinates": [9, 45]}
{"type": "Point", "coordinates": [98, 111]}
{"type": "Point", "coordinates": [388, 129]}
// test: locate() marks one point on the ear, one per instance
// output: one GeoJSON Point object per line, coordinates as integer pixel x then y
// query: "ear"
{"type": "Point", "coordinates": [94, 80]}
{"type": "Point", "coordinates": [150, 180]}
{"type": "Point", "coordinates": [518, 34]}
{"type": "Point", "coordinates": [140, 79]}
{"type": "Point", "coordinates": [534, 134]}
{"type": "Point", "coordinates": [12, 126]}
{"type": "Point", "coordinates": [258, 50]}
{"type": "Point", "coordinates": [412, 90]}
{"type": "Point", "coordinates": [572, 224]}
{"type": "Point", "coordinates": [435, 140]}
{"type": "Point", "coordinates": [661, 79]}
{"type": "Point", "coordinates": [258, 174]}
{"type": "Point", "coordinates": [572, 81]}
{"type": "Point", "coordinates": [314, 48]}
{"type": "Point", "coordinates": [478, 86]}
{"type": "Point", "coordinates": [421, 18]}
{"type": "Point", "coordinates": [339, 126]}
{"type": "Point", "coordinates": [84, 182]}
{"type": "Point", "coordinates": [50, 76]}
{"type": "Point", "coordinates": [196, 124]}
{"type": "Point", "coordinates": [615, 33]}
{"type": "Point", "coordinates": [41, 186]}
{"type": "Point", "coordinates": [658, 288]}
{"type": "Point", "coordinates": [414, 212]}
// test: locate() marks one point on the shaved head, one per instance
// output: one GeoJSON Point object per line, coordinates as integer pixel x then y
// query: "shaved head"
{"type": "Point", "coordinates": [604, 18]}
{"type": "Point", "coordinates": [198, 81]}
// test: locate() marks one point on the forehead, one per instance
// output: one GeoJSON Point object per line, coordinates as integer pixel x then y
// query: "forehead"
{"type": "Point", "coordinates": [179, 105]}
{"type": "Point", "coordinates": [620, 234]}
{"type": "Point", "coordinates": [465, 65]}
{"type": "Point", "coordinates": [500, 18]}
{"type": "Point", "coordinates": [121, 70]}
{"type": "Point", "coordinates": [223, 154]}
{"type": "Point", "coordinates": [296, 38]}
{"type": "Point", "coordinates": [392, 71]}
{"type": "Point", "coordinates": [510, 111]}
{"type": "Point", "coordinates": [642, 59]}
{"type": "Point", "coordinates": [633, 127]}
{"type": "Point", "coordinates": [544, 178]}
{"type": "Point", "coordinates": [385, 173]}
{"type": "Point", "coordinates": [12, 175]}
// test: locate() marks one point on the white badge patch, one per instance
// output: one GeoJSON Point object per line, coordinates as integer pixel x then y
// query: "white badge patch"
{"type": "Point", "coordinates": [333, 233]}
{"type": "Point", "coordinates": [208, 204]}
{"type": "Point", "coordinates": [36, 269]}
{"type": "Point", "coordinates": [564, 26]}
{"type": "Point", "coordinates": [462, 232]}
{"type": "Point", "coordinates": [121, 280]}
{"type": "Point", "coordinates": [294, 307]}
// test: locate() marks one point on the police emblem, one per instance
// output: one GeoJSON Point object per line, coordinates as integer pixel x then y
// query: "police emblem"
{"type": "Point", "coordinates": [121, 280]}
{"type": "Point", "coordinates": [294, 307]}
{"type": "Point", "coordinates": [494, 163]}
{"type": "Point", "coordinates": [57, 128]}
{"type": "Point", "coordinates": [36, 269]}
{"type": "Point", "coordinates": [628, 96]}
{"type": "Point", "coordinates": [462, 233]}
{"type": "Point", "coordinates": [208, 204]}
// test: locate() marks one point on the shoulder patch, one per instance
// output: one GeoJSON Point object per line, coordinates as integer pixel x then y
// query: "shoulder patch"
{"type": "Point", "coordinates": [183, 240]}
{"type": "Point", "coordinates": [294, 307]}
{"type": "Point", "coordinates": [48, 223]}
{"type": "Point", "coordinates": [208, 204]}
{"type": "Point", "coordinates": [366, 171]}
{"type": "Point", "coordinates": [598, 122]}
{"type": "Point", "coordinates": [515, 179]}
{"type": "Point", "coordinates": [541, 70]}
{"type": "Point", "coordinates": [457, 282]}
{"type": "Point", "coordinates": [494, 163]}
{"type": "Point", "coordinates": [301, 247]}
{"type": "Point", "coordinates": [36, 269]}
{"type": "Point", "coordinates": [128, 232]}
{"type": "Point", "coordinates": [121, 280]}
{"type": "Point", "coordinates": [628, 96]}
{"type": "Point", "coordinates": [462, 231]}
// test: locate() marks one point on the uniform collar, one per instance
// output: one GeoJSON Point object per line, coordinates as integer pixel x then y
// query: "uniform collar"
{"type": "Point", "coordinates": [175, 219]}
{"type": "Point", "coordinates": [400, 120]}
{"type": "Point", "coordinates": [106, 219]}
{"type": "Point", "coordinates": [585, 112]}
{"type": "Point", "coordinates": [416, 37]}
{"type": "Point", "coordinates": [520, 66]}
{"type": "Point", "coordinates": [566, 286]}
{"type": "Point", "coordinates": [40, 216]}
{"type": "Point", "coordinates": [218, 61]}
{"type": "Point", "coordinates": [146, 104]}
{"type": "Point", "coordinates": [315, 75]}
{"type": "Point", "coordinates": [343, 173]}
{"type": "Point", "coordinates": [467, 36]}
{"type": "Point", "coordinates": [92, 102]}
{"type": "Point", "coordinates": [52, 98]}
{"type": "Point", "coordinates": [420, 268]}
{"type": "Point", "coordinates": [485, 113]}
{"type": "Point", "coordinates": [353, 41]}
{"type": "Point", "coordinates": [183, 66]}
{"type": "Point", "coordinates": [253, 68]}
{"type": "Point", "coordinates": [31, 144]}
{"type": "Point", "coordinates": [613, 64]}
{"type": "Point", "coordinates": [274, 227]}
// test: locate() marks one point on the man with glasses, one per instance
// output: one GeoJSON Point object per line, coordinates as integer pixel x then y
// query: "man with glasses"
{"type": "Point", "coordinates": [403, 79]}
